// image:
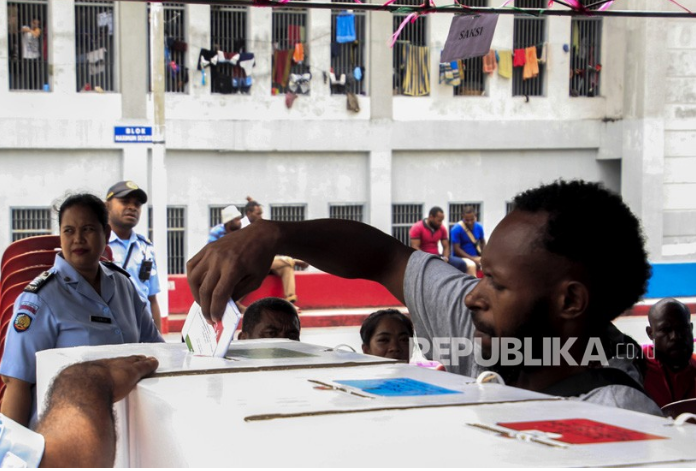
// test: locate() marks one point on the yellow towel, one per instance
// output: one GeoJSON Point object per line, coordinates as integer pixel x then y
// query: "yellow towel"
{"type": "Point", "coordinates": [505, 64]}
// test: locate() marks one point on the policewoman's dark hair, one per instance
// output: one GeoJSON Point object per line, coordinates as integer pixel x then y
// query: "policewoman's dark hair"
{"type": "Point", "coordinates": [369, 325]}
{"type": "Point", "coordinates": [88, 201]}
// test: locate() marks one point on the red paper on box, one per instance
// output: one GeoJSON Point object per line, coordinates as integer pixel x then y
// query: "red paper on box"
{"type": "Point", "coordinates": [581, 431]}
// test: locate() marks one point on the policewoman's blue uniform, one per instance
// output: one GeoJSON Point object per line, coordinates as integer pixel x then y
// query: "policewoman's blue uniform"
{"type": "Point", "coordinates": [61, 309]}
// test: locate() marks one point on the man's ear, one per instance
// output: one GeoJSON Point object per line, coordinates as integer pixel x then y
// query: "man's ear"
{"type": "Point", "coordinates": [243, 335]}
{"type": "Point", "coordinates": [574, 299]}
{"type": "Point", "coordinates": [648, 330]}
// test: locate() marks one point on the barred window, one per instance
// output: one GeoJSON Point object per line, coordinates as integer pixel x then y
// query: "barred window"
{"type": "Point", "coordinates": [529, 32]}
{"type": "Point", "coordinates": [403, 217]}
{"type": "Point", "coordinates": [28, 42]}
{"type": "Point", "coordinates": [176, 238]}
{"type": "Point", "coordinates": [473, 79]}
{"type": "Point", "coordinates": [290, 70]}
{"type": "Point", "coordinates": [347, 55]}
{"type": "Point", "coordinates": [509, 207]}
{"type": "Point", "coordinates": [215, 213]}
{"type": "Point", "coordinates": [228, 34]}
{"type": "Point", "coordinates": [288, 212]}
{"type": "Point", "coordinates": [176, 75]}
{"type": "Point", "coordinates": [94, 45]}
{"type": "Point", "coordinates": [352, 212]}
{"type": "Point", "coordinates": [411, 55]}
{"type": "Point", "coordinates": [585, 55]}
{"type": "Point", "coordinates": [29, 222]}
{"type": "Point", "coordinates": [456, 212]}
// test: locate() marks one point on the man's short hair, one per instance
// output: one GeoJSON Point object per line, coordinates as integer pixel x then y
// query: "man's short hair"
{"type": "Point", "coordinates": [252, 315]}
{"type": "Point", "coordinates": [469, 210]}
{"type": "Point", "coordinates": [251, 206]}
{"type": "Point", "coordinates": [592, 226]}
{"type": "Point", "coordinates": [434, 211]}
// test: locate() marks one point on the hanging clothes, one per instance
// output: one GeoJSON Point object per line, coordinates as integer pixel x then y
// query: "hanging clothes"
{"type": "Point", "coordinates": [294, 34]}
{"type": "Point", "coordinates": [531, 66]}
{"type": "Point", "coordinates": [543, 54]}
{"type": "Point", "coordinates": [462, 68]}
{"type": "Point", "coordinates": [489, 62]}
{"type": "Point", "coordinates": [519, 58]}
{"type": "Point", "coordinates": [298, 54]}
{"type": "Point", "coordinates": [345, 28]}
{"type": "Point", "coordinates": [281, 67]}
{"type": "Point", "coordinates": [505, 64]}
{"type": "Point", "coordinates": [417, 74]}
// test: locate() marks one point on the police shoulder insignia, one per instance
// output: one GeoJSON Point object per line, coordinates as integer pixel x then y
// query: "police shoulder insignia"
{"type": "Point", "coordinates": [22, 322]}
{"type": "Point", "coordinates": [38, 282]}
{"type": "Point", "coordinates": [144, 239]}
{"type": "Point", "coordinates": [116, 268]}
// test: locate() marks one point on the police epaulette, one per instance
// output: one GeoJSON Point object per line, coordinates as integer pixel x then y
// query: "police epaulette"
{"type": "Point", "coordinates": [115, 267]}
{"type": "Point", "coordinates": [38, 282]}
{"type": "Point", "coordinates": [144, 239]}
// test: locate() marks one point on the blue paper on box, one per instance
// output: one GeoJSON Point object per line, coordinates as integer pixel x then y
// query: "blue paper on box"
{"type": "Point", "coordinates": [396, 387]}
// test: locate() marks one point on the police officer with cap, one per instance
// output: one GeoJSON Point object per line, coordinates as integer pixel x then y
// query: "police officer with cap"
{"type": "Point", "coordinates": [133, 252]}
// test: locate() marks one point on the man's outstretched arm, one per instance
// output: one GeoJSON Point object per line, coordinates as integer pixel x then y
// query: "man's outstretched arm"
{"type": "Point", "coordinates": [78, 425]}
{"type": "Point", "coordinates": [238, 263]}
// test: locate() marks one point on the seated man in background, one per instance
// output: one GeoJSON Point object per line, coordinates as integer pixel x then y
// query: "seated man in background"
{"type": "Point", "coordinates": [231, 221]}
{"type": "Point", "coordinates": [270, 318]}
{"type": "Point", "coordinates": [426, 234]}
{"type": "Point", "coordinates": [468, 241]}
{"type": "Point", "coordinates": [670, 374]}
{"type": "Point", "coordinates": [77, 428]}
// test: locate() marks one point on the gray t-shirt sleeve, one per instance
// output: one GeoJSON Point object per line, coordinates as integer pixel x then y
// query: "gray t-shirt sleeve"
{"type": "Point", "coordinates": [623, 397]}
{"type": "Point", "coordinates": [434, 292]}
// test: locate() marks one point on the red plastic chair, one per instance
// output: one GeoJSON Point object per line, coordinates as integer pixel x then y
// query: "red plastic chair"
{"type": "Point", "coordinates": [9, 295]}
{"type": "Point", "coordinates": [25, 275]}
{"type": "Point", "coordinates": [30, 244]}
{"type": "Point", "coordinates": [29, 259]}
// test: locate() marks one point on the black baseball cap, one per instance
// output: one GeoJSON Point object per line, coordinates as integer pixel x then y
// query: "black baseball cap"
{"type": "Point", "coordinates": [125, 188]}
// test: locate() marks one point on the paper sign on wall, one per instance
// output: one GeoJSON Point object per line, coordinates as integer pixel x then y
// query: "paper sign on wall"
{"type": "Point", "coordinates": [469, 36]}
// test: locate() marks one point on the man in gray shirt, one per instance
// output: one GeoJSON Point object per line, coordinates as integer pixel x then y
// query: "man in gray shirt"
{"type": "Point", "coordinates": [550, 286]}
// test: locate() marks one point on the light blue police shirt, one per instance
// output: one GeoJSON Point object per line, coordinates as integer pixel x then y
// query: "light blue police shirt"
{"type": "Point", "coordinates": [19, 446]}
{"type": "Point", "coordinates": [143, 250]}
{"type": "Point", "coordinates": [67, 312]}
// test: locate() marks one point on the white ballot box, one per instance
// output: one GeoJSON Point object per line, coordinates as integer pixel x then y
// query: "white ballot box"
{"type": "Point", "coordinates": [283, 403]}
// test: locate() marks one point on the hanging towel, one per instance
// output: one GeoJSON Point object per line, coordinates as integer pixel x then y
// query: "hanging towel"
{"type": "Point", "coordinates": [294, 34]}
{"type": "Point", "coordinates": [541, 57]}
{"type": "Point", "coordinates": [518, 58]}
{"type": "Point", "coordinates": [298, 55]}
{"type": "Point", "coordinates": [505, 64]}
{"type": "Point", "coordinates": [417, 74]}
{"type": "Point", "coordinates": [489, 62]}
{"type": "Point", "coordinates": [281, 68]}
{"type": "Point", "coordinates": [345, 28]}
{"type": "Point", "coordinates": [462, 68]}
{"type": "Point", "coordinates": [531, 67]}
{"type": "Point", "coordinates": [247, 61]}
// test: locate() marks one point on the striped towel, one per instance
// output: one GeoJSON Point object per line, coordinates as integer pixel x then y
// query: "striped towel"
{"type": "Point", "coordinates": [417, 73]}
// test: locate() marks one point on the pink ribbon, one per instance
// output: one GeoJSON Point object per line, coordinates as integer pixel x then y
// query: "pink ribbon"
{"type": "Point", "coordinates": [412, 18]}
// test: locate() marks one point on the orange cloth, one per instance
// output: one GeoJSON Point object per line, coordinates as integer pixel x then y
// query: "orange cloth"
{"type": "Point", "coordinates": [489, 62]}
{"type": "Point", "coordinates": [531, 66]}
{"type": "Point", "coordinates": [298, 55]}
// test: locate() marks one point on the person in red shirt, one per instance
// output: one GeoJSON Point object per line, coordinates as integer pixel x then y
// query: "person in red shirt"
{"type": "Point", "coordinates": [670, 374]}
{"type": "Point", "coordinates": [426, 234]}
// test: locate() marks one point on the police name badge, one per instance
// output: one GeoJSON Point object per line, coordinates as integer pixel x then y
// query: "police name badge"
{"type": "Point", "coordinates": [469, 36]}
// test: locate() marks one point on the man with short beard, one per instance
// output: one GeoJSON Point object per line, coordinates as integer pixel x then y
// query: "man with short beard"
{"type": "Point", "coordinates": [547, 277]}
{"type": "Point", "coordinates": [671, 364]}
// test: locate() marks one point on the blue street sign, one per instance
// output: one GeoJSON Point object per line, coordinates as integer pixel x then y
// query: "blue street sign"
{"type": "Point", "coordinates": [133, 134]}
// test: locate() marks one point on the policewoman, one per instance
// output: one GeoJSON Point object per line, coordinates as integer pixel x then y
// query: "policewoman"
{"type": "Point", "coordinates": [133, 252]}
{"type": "Point", "coordinates": [79, 301]}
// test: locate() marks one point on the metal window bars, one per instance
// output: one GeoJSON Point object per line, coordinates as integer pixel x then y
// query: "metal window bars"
{"type": "Point", "coordinates": [528, 32]}
{"type": "Point", "coordinates": [352, 212]}
{"type": "Point", "coordinates": [473, 79]}
{"type": "Point", "coordinates": [176, 75]}
{"type": "Point", "coordinates": [29, 222]}
{"type": "Point", "coordinates": [411, 75]}
{"type": "Point", "coordinates": [403, 217]}
{"type": "Point", "coordinates": [176, 240]}
{"type": "Point", "coordinates": [288, 212]}
{"type": "Point", "coordinates": [228, 33]}
{"type": "Point", "coordinates": [585, 55]}
{"type": "Point", "coordinates": [456, 212]}
{"type": "Point", "coordinates": [290, 63]}
{"type": "Point", "coordinates": [94, 45]}
{"type": "Point", "coordinates": [28, 43]}
{"type": "Point", "coordinates": [347, 56]}
{"type": "Point", "coordinates": [509, 207]}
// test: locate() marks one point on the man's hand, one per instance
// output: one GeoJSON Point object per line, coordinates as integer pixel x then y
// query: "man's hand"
{"type": "Point", "coordinates": [231, 267]}
{"type": "Point", "coordinates": [123, 372]}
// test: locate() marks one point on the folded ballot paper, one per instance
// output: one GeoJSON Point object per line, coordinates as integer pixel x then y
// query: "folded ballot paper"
{"type": "Point", "coordinates": [210, 340]}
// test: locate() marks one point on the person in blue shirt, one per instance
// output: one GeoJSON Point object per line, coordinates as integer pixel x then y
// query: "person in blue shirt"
{"type": "Point", "coordinates": [133, 252]}
{"type": "Point", "coordinates": [79, 301]}
{"type": "Point", "coordinates": [78, 411]}
{"type": "Point", "coordinates": [231, 221]}
{"type": "Point", "coordinates": [468, 240]}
